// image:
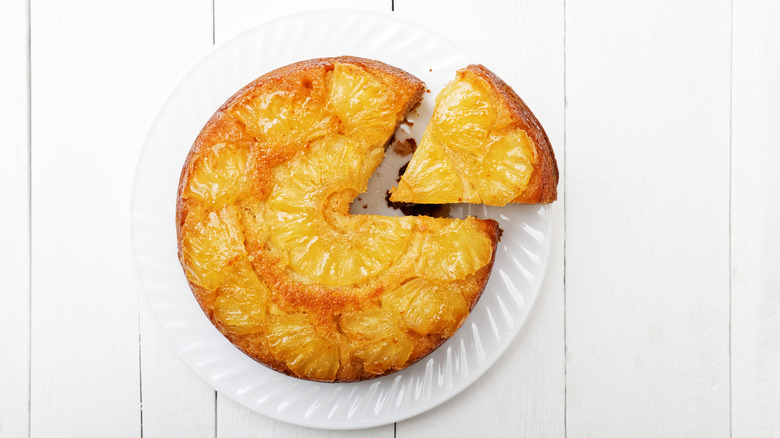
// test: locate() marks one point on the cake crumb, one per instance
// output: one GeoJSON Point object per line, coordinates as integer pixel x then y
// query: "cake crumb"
{"type": "Point", "coordinates": [405, 147]}
{"type": "Point", "coordinates": [413, 112]}
{"type": "Point", "coordinates": [410, 209]}
{"type": "Point", "coordinates": [390, 141]}
{"type": "Point", "coordinates": [401, 171]}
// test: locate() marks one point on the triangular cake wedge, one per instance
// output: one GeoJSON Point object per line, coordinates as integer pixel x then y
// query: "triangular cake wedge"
{"type": "Point", "coordinates": [482, 145]}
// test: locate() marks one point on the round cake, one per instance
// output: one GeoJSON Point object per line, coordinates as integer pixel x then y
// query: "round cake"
{"type": "Point", "coordinates": [273, 255]}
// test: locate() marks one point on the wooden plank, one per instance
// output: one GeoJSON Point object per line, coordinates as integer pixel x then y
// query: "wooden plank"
{"type": "Point", "coordinates": [234, 420]}
{"type": "Point", "coordinates": [232, 17]}
{"type": "Point", "coordinates": [523, 394]}
{"type": "Point", "coordinates": [755, 213]}
{"type": "Point", "coordinates": [15, 220]}
{"type": "Point", "coordinates": [100, 71]}
{"type": "Point", "coordinates": [175, 401]}
{"type": "Point", "coordinates": [84, 335]}
{"type": "Point", "coordinates": [647, 221]}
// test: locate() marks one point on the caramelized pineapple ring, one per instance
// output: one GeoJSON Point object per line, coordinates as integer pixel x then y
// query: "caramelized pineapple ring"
{"type": "Point", "coordinates": [211, 243]}
{"type": "Point", "coordinates": [275, 258]}
{"type": "Point", "coordinates": [308, 219]}
{"type": "Point", "coordinates": [482, 145]}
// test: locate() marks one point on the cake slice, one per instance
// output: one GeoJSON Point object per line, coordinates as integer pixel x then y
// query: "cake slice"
{"type": "Point", "coordinates": [482, 145]}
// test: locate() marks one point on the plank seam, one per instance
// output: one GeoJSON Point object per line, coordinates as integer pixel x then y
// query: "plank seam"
{"type": "Point", "coordinates": [140, 371]}
{"type": "Point", "coordinates": [565, 161]}
{"type": "Point", "coordinates": [29, 217]}
{"type": "Point", "coordinates": [213, 43]}
{"type": "Point", "coordinates": [731, 136]}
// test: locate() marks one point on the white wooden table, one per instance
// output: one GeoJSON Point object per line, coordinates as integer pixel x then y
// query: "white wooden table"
{"type": "Point", "coordinates": [660, 311]}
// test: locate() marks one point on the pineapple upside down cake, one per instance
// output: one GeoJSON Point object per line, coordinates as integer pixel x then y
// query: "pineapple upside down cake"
{"type": "Point", "coordinates": [279, 265]}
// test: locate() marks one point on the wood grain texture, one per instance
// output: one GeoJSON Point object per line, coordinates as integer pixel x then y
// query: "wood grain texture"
{"type": "Point", "coordinates": [523, 393]}
{"type": "Point", "coordinates": [755, 215]}
{"type": "Point", "coordinates": [647, 221]}
{"type": "Point", "coordinates": [15, 220]}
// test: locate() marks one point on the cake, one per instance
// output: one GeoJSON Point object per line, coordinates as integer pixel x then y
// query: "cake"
{"type": "Point", "coordinates": [482, 145]}
{"type": "Point", "coordinates": [271, 252]}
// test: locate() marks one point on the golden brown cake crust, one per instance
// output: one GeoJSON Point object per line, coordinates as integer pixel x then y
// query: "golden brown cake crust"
{"type": "Point", "coordinates": [543, 185]}
{"type": "Point", "coordinates": [323, 304]}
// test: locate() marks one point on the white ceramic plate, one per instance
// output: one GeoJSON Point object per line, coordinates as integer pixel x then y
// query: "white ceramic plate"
{"type": "Point", "coordinates": [495, 321]}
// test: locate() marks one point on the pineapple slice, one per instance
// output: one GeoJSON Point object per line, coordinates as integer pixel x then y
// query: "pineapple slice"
{"type": "Point", "coordinates": [378, 340]}
{"type": "Point", "coordinates": [362, 103]}
{"type": "Point", "coordinates": [464, 116]}
{"type": "Point", "coordinates": [507, 167]}
{"type": "Point", "coordinates": [287, 117]}
{"type": "Point", "coordinates": [293, 339]}
{"type": "Point", "coordinates": [343, 162]}
{"type": "Point", "coordinates": [221, 175]}
{"type": "Point", "coordinates": [452, 250]}
{"type": "Point", "coordinates": [241, 301]}
{"type": "Point", "coordinates": [482, 145]}
{"type": "Point", "coordinates": [428, 307]}
{"type": "Point", "coordinates": [333, 163]}
{"type": "Point", "coordinates": [431, 163]}
{"type": "Point", "coordinates": [332, 256]}
{"type": "Point", "coordinates": [212, 240]}
{"type": "Point", "coordinates": [307, 216]}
